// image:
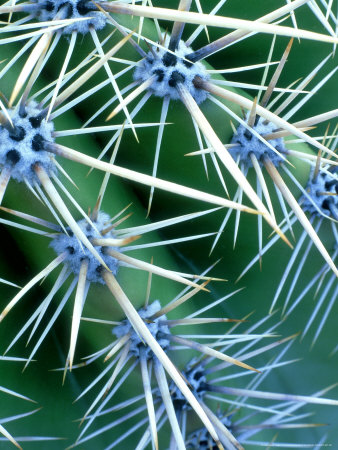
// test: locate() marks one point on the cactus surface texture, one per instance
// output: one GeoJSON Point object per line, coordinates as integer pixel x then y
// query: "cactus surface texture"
{"type": "Point", "coordinates": [168, 224]}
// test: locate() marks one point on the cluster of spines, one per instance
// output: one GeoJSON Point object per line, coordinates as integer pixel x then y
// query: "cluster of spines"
{"type": "Point", "coordinates": [186, 81]}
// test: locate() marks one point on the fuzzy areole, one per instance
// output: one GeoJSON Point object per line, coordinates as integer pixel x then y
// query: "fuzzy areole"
{"type": "Point", "coordinates": [154, 326]}
{"type": "Point", "coordinates": [196, 379]}
{"type": "Point", "coordinates": [250, 144]}
{"type": "Point", "coordinates": [76, 252]}
{"type": "Point", "coordinates": [22, 147]}
{"type": "Point", "coordinates": [71, 9]}
{"type": "Point", "coordinates": [169, 69]}
{"type": "Point", "coordinates": [323, 192]}
{"type": "Point", "coordinates": [201, 439]}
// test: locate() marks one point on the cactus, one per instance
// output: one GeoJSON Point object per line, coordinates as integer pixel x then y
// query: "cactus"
{"type": "Point", "coordinates": [152, 155]}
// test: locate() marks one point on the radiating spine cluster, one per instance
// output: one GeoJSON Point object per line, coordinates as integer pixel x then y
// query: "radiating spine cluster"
{"type": "Point", "coordinates": [49, 10]}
